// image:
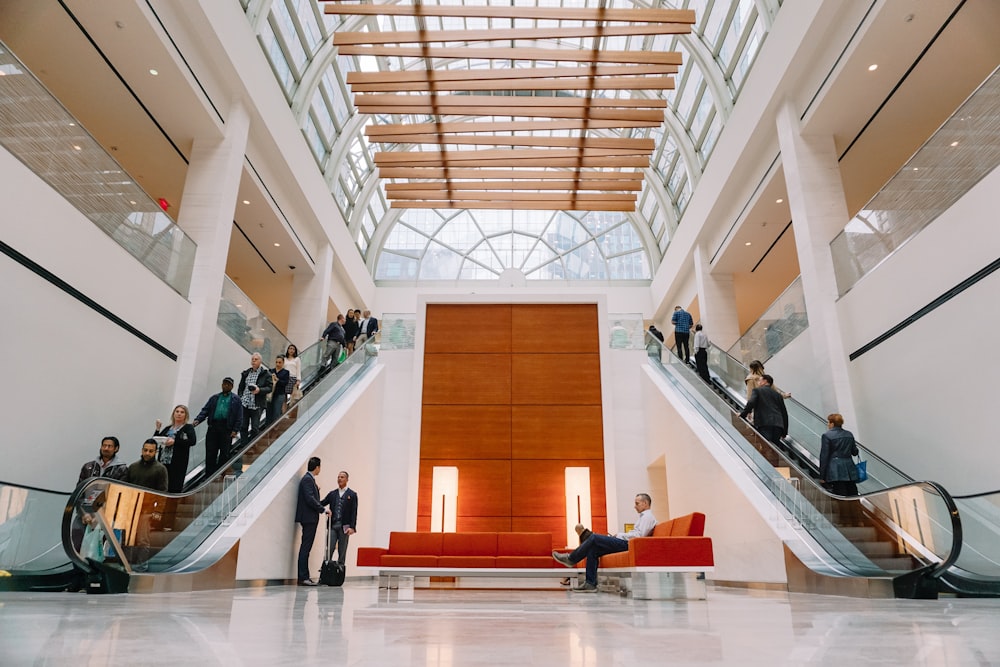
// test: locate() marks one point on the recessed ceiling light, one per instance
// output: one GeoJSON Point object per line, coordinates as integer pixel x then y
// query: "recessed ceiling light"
{"type": "Point", "coordinates": [916, 169]}
{"type": "Point", "coordinates": [246, 201]}
{"type": "Point", "coordinates": [131, 202]}
{"type": "Point", "coordinates": [747, 243]}
{"type": "Point", "coordinates": [77, 148]}
{"type": "Point", "coordinates": [154, 72]}
{"type": "Point", "coordinates": [277, 245]}
{"type": "Point", "coordinates": [954, 143]}
{"type": "Point", "coordinates": [72, 124]}
{"type": "Point", "coordinates": [778, 200]}
{"type": "Point", "coordinates": [872, 67]}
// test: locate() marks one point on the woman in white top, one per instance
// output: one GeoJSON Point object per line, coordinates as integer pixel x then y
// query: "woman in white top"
{"type": "Point", "coordinates": [294, 367]}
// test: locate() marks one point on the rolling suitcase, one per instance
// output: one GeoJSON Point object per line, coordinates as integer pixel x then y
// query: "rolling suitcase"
{"type": "Point", "coordinates": [331, 573]}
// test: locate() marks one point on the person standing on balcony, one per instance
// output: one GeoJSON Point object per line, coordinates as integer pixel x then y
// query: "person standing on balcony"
{"type": "Point", "coordinates": [682, 322]}
{"type": "Point", "coordinates": [701, 353]}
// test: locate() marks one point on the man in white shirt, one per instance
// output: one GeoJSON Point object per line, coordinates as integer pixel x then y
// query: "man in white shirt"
{"type": "Point", "coordinates": [596, 545]}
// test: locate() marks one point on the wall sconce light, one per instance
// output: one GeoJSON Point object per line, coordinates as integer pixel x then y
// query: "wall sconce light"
{"type": "Point", "coordinates": [577, 502]}
{"type": "Point", "coordinates": [444, 500]}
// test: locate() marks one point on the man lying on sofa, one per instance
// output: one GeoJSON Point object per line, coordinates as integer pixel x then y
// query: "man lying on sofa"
{"type": "Point", "coordinates": [596, 545]}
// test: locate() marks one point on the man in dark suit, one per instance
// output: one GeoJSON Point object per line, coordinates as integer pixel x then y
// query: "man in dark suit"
{"type": "Point", "coordinates": [770, 417]}
{"type": "Point", "coordinates": [369, 327]}
{"type": "Point", "coordinates": [307, 511]}
{"type": "Point", "coordinates": [343, 504]}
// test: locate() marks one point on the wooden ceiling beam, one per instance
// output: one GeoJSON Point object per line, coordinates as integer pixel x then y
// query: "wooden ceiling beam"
{"type": "Point", "coordinates": [396, 132]}
{"type": "Point", "coordinates": [492, 102]}
{"type": "Point", "coordinates": [535, 174]}
{"type": "Point", "coordinates": [489, 195]}
{"type": "Point", "coordinates": [582, 83]}
{"type": "Point", "coordinates": [513, 53]}
{"type": "Point", "coordinates": [643, 145]}
{"type": "Point", "coordinates": [426, 76]}
{"type": "Point", "coordinates": [550, 205]}
{"type": "Point", "coordinates": [515, 12]}
{"type": "Point", "coordinates": [504, 34]}
{"type": "Point", "coordinates": [431, 158]}
{"type": "Point", "coordinates": [392, 189]}
{"type": "Point", "coordinates": [523, 112]}
{"type": "Point", "coordinates": [640, 162]}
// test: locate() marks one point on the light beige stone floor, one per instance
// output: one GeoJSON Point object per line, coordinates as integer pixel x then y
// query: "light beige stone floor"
{"type": "Point", "coordinates": [359, 625]}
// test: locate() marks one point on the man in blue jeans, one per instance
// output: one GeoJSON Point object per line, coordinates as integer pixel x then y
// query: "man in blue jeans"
{"type": "Point", "coordinates": [596, 545]}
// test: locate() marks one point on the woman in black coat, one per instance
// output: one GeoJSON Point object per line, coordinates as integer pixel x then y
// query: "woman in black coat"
{"type": "Point", "coordinates": [176, 449]}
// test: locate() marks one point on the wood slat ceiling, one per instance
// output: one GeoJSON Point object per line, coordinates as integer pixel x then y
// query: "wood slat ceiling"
{"type": "Point", "coordinates": [481, 151]}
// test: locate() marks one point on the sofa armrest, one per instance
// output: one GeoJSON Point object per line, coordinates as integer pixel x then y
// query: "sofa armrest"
{"type": "Point", "coordinates": [370, 556]}
{"type": "Point", "coordinates": [671, 551]}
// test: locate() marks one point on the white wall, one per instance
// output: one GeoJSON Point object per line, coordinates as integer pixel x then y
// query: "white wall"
{"type": "Point", "coordinates": [746, 546]}
{"type": "Point", "coordinates": [796, 369]}
{"type": "Point", "coordinates": [923, 396]}
{"type": "Point", "coordinates": [73, 376]}
{"type": "Point", "coordinates": [269, 549]}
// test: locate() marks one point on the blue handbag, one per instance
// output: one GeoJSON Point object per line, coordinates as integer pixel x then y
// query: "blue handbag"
{"type": "Point", "coordinates": [862, 467]}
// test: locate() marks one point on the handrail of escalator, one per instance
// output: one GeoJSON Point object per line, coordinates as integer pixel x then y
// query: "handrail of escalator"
{"type": "Point", "coordinates": [934, 571]}
{"type": "Point", "coordinates": [90, 491]}
{"type": "Point", "coordinates": [869, 454]}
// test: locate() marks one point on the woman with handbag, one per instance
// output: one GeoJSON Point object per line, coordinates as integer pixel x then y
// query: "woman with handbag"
{"type": "Point", "coordinates": [837, 469]}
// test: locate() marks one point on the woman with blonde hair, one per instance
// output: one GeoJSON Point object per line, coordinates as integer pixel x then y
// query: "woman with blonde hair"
{"type": "Point", "coordinates": [756, 373]}
{"type": "Point", "coordinates": [175, 441]}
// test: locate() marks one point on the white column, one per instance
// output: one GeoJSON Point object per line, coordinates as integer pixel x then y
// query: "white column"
{"type": "Point", "coordinates": [716, 301]}
{"type": "Point", "coordinates": [209, 203]}
{"type": "Point", "coordinates": [819, 213]}
{"type": "Point", "coordinates": [310, 299]}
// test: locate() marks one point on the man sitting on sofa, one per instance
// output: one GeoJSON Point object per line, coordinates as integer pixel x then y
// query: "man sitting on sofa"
{"type": "Point", "coordinates": [596, 545]}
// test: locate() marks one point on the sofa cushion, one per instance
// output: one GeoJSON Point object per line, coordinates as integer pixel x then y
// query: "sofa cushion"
{"type": "Point", "coordinates": [524, 544]}
{"type": "Point", "coordinates": [469, 544]}
{"type": "Point", "coordinates": [390, 560]}
{"type": "Point", "coordinates": [466, 561]}
{"type": "Point", "coordinates": [370, 556]}
{"type": "Point", "coordinates": [415, 544]}
{"type": "Point", "coordinates": [526, 561]}
{"type": "Point", "coordinates": [671, 551]}
{"type": "Point", "coordinates": [662, 529]}
{"type": "Point", "coordinates": [620, 559]}
{"type": "Point", "coordinates": [689, 525]}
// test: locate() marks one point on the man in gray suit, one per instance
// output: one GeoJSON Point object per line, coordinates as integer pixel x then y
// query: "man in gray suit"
{"type": "Point", "coordinates": [770, 417]}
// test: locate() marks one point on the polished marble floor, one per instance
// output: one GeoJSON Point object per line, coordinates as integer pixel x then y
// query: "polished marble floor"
{"type": "Point", "coordinates": [359, 625]}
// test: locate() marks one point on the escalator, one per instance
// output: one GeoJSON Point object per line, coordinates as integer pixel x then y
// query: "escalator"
{"type": "Point", "coordinates": [899, 535]}
{"type": "Point", "coordinates": [114, 537]}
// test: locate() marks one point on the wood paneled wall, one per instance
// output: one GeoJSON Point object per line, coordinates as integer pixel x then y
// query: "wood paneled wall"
{"type": "Point", "coordinates": [512, 396]}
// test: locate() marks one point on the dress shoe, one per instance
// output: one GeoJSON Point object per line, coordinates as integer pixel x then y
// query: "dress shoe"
{"type": "Point", "coordinates": [308, 582]}
{"type": "Point", "coordinates": [563, 558]}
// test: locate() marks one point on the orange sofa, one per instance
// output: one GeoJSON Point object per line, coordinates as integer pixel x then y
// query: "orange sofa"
{"type": "Point", "coordinates": [461, 550]}
{"type": "Point", "coordinates": [678, 543]}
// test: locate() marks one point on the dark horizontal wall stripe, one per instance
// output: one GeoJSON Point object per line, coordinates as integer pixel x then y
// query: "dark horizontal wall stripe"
{"type": "Point", "coordinates": [926, 310]}
{"type": "Point", "coordinates": [42, 272]}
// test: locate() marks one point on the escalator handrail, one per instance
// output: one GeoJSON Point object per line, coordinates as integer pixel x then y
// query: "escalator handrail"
{"type": "Point", "coordinates": [81, 489]}
{"type": "Point", "coordinates": [957, 540]}
{"type": "Point", "coordinates": [868, 453]}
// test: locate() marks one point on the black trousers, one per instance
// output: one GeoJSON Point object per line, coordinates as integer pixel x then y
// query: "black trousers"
{"type": "Point", "coordinates": [308, 537]}
{"type": "Point", "coordinates": [772, 433]}
{"type": "Point", "coordinates": [681, 340]}
{"type": "Point", "coordinates": [217, 442]}
{"type": "Point", "coordinates": [701, 363]}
